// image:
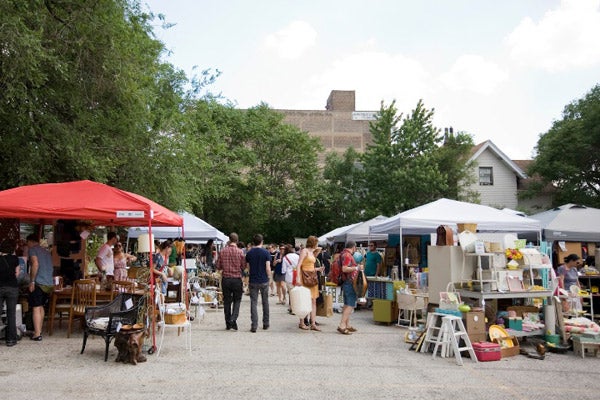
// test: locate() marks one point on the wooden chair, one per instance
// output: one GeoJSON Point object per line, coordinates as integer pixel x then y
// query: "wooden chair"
{"type": "Point", "coordinates": [82, 296]}
{"type": "Point", "coordinates": [122, 287]}
{"type": "Point", "coordinates": [60, 308]}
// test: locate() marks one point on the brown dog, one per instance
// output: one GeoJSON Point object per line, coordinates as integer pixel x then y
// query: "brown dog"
{"type": "Point", "coordinates": [129, 344]}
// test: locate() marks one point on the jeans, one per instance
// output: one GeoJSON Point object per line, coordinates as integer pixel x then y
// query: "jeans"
{"type": "Point", "coordinates": [255, 288]}
{"type": "Point", "coordinates": [232, 298]}
{"type": "Point", "coordinates": [11, 296]}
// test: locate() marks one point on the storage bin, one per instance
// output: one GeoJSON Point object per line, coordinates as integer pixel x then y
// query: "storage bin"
{"type": "Point", "coordinates": [486, 351]}
{"type": "Point", "coordinates": [515, 323]}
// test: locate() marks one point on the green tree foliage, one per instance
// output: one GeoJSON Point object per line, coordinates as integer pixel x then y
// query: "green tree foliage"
{"type": "Point", "coordinates": [453, 161]}
{"type": "Point", "coordinates": [345, 189]}
{"type": "Point", "coordinates": [265, 174]}
{"type": "Point", "coordinates": [84, 96]}
{"type": "Point", "coordinates": [401, 169]}
{"type": "Point", "coordinates": [568, 155]}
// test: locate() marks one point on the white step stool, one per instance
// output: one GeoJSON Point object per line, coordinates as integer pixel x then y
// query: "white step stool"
{"type": "Point", "coordinates": [444, 333]}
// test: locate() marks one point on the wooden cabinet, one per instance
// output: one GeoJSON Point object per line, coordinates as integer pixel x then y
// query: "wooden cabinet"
{"type": "Point", "coordinates": [591, 304]}
{"type": "Point", "coordinates": [446, 264]}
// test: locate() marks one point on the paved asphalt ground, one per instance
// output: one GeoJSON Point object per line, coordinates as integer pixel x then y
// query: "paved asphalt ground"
{"type": "Point", "coordinates": [284, 362]}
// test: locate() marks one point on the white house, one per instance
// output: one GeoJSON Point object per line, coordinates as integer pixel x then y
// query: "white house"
{"type": "Point", "coordinates": [499, 180]}
{"type": "Point", "coordinates": [496, 176]}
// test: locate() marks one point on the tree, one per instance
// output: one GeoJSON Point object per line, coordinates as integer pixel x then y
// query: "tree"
{"type": "Point", "coordinates": [568, 155]}
{"type": "Point", "coordinates": [272, 183]}
{"type": "Point", "coordinates": [84, 95]}
{"type": "Point", "coordinates": [400, 166]}
{"type": "Point", "coordinates": [344, 196]}
{"type": "Point", "coordinates": [453, 161]}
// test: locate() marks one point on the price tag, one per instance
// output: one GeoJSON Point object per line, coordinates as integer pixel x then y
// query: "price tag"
{"type": "Point", "coordinates": [479, 247]}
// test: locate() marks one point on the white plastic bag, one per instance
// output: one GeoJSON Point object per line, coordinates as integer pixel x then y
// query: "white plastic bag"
{"type": "Point", "coordinates": [301, 301]}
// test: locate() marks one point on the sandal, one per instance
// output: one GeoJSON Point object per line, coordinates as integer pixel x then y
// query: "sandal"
{"type": "Point", "coordinates": [303, 327]}
{"type": "Point", "coordinates": [315, 328]}
{"type": "Point", "coordinates": [344, 331]}
{"type": "Point", "coordinates": [351, 329]}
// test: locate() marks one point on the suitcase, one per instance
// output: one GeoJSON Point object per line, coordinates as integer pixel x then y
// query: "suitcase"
{"type": "Point", "coordinates": [486, 351]}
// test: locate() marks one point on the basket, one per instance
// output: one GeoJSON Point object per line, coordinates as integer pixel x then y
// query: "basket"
{"type": "Point", "coordinates": [467, 227]}
{"type": "Point", "coordinates": [175, 319]}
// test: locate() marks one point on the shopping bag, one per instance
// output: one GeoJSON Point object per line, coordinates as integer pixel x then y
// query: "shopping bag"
{"type": "Point", "coordinates": [325, 308]}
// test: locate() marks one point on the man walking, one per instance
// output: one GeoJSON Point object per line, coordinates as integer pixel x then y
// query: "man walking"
{"type": "Point", "coordinates": [258, 260]}
{"type": "Point", "coordinates": [231, 263]}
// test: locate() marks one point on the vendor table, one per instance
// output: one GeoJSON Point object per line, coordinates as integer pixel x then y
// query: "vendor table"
{"type": "Point", "coordinates": [62, 295]}
{"type": "Point", "coordinates": [482, 296]}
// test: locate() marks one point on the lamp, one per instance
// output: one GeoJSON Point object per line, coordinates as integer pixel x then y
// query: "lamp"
{"type": "Point", "coordinates": [145, 244]}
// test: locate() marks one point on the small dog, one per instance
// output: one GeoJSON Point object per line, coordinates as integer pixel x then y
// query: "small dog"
{"type": "Point", "coordinates": [130, 347]}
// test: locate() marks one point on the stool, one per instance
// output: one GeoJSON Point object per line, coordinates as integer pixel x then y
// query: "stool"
{"type": "Point", "coordinates": [450, 332]}
{"type": "Point", "coordinates": [581, 345]}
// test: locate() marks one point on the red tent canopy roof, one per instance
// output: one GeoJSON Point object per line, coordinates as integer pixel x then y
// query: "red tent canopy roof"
{"type": "Point", "coordinates": [85, 200]}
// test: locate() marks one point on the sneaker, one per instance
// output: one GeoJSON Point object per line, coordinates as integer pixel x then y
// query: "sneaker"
{"type": "Point", "coordinates": [36, 338]}
{"type": "Point", "coordinates": [234, 326]}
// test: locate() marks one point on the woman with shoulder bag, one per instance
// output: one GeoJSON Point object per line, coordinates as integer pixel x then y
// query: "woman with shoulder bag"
{"type": "Point", "coordinates": [307, 277]}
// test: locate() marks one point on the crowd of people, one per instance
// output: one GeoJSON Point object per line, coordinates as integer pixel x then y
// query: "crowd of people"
{"type": "Point", "coordinates": [275, 271]}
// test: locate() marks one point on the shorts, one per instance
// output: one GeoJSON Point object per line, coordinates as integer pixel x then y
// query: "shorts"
{"type": "Point", "coordinates": [349, 294]}
{"type": "Point", "coordinates": [279, 277]}
{"type": "Point", "coordinates": [38, 298]}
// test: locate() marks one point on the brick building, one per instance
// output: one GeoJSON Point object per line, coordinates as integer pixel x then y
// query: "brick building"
{"type": "Point", "coordinates": [339, 126]}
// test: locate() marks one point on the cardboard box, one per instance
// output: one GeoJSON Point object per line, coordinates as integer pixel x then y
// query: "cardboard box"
{"type": "Point", "coordinates": [477, 337]}
{"type": "Point", "coordinates": [509, 351]}
{"type": "Point", "coordinates": [487, 351]}
{"type": "Point", "coordinates": [474, 322]}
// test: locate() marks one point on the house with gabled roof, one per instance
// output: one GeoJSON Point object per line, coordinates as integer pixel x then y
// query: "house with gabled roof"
{"type": "Point", "coordinates": [500, 180]}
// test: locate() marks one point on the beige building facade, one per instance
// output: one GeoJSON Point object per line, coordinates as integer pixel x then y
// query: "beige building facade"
{"type": "Point", "coordinates": [339, 126]}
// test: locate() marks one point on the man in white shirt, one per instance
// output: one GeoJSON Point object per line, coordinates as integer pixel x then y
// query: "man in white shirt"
{"type": "Point", "coordinates": [104, 259]}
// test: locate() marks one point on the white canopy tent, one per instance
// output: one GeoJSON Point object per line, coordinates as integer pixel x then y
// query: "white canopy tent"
{"type": "Point", "coordinates": [194, 229]}
{"type": "Point", "coordinates": [360, 232]}
{"type": "Point", "coordinates": [570, 222]}
{"type": "Point", "coordinates": [325, 239]}
{"type": "Point", "coordinates": [426, 218]}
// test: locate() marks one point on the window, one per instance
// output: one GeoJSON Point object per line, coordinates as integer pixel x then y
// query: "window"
{"type": "Point", "coordinates": [486, 176]}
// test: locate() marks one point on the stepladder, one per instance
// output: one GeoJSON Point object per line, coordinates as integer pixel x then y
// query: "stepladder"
{"type": "Point", "coordinates": [444, 333]}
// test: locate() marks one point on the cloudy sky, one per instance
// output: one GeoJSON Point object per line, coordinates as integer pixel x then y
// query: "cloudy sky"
{"type": "Point", "coordinates": [498, 70]}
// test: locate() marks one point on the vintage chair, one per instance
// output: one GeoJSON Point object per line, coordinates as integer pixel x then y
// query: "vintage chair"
{"type": "Point", "coordinates": [195, 296]}
{"type": "Point", "coordinates": [60, 308]}
{"type": "Point", "coordinates": [408, 307]}
{"type": "Point", "coordinates": [122, 287]}
{"type": "Point", "coordinates": [107, 320]}
{"type": "Point", "coordinates": [163, 324]}
{"type": "Point", "coordinates": [82, 296]}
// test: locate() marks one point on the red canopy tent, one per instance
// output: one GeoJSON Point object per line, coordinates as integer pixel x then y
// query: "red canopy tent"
{"type": "Point", "coordinates": [85, 200]}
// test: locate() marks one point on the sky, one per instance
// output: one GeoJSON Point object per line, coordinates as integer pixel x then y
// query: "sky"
{"type": "Point", "coordinates": [497, 70]}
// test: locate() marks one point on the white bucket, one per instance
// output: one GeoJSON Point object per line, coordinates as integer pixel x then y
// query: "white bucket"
{"type": "Point", "coordinates": [301, 302]}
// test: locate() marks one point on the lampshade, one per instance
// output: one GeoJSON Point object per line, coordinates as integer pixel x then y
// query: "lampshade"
{"type": "Point", "coordinates": [145, 244]}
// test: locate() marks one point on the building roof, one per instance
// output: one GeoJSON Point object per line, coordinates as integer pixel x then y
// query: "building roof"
{"type": "Point", "coordinates": [488, 145]}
